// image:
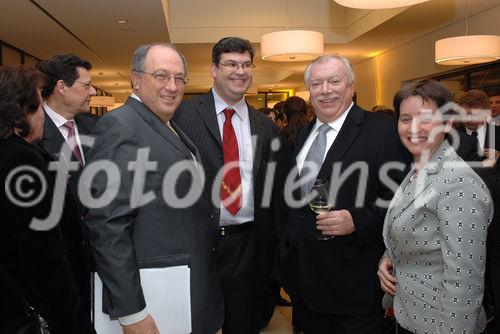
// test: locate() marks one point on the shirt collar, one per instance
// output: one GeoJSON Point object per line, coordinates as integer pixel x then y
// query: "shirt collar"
{"type": "Point", "coordinates": [240, 107]}
{"type": "Point", "coordinates": [336, 124]}
{"type": "Point", "coordinates": [480, 130]}
{"type": "Point", "coordinates": [54, 116]}
{"type": "Point", "coordinates": [134, 96]}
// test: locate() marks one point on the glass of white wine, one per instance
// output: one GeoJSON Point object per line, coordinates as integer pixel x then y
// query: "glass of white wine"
{"type": "Point", "coordinates": [321, 202]}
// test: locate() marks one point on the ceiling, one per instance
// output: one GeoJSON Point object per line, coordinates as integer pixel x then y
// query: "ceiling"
{"type": "Point", "coordinates": [87, 28]}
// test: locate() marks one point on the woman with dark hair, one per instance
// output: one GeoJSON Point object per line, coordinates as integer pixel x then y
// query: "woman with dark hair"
{"type": "Point", "coordinates": [435, 227]}
{"type": "Point", "coordinates": [295, 110]}
{"type": "Point", "coordinates": [32, 257]}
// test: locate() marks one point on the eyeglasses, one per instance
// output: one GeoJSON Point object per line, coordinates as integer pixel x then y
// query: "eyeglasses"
{"type": "Point", "coordinates": [234, 66]}
{"type": "Point", "coordinates": [164, 77]}
{"type": "Point", "coordinates": [87, 85]}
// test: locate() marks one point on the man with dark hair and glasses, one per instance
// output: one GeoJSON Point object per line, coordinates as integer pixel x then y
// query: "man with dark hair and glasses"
{"type": "Point", "coordinates": [235, 140]}
{"type": "Point", "coordinates": [141, 227]}
{"type": "Point", "coordinates": [67, 92]}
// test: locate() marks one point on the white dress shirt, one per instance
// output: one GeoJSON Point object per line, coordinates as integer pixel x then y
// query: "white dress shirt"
{"type": "Point", "coordinates": [241, 125]}
{"type": "Point", "coordinates": [336, 125]}
{"type": "Point", "coordinates": [59, 121]}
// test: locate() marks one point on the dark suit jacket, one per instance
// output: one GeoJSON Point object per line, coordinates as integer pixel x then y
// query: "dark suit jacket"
{"type": "Point", "coordinates": [340, 275]}
{"type": "Point", "coordinates": [198, 119]}
{"type": "Point", "coordinates": [492, 138]}
{"type": "Point", "coordinates": [35, 260]}
{"type": "Point", "coordinates": [74, 231]}
{"type": "Point", "coordinates": [125, 238]}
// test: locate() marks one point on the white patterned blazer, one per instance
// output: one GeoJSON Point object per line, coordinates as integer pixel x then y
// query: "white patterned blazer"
{"type": "Point", "coordinates": [435, 234]}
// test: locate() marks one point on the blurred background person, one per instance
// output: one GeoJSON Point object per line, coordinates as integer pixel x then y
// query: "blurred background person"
{"type": "Point", "coordinates": [34, 260]}
{"type": "Point", "coordinates": [295, 110]}
{"type": "Point", "coordinates": [435, 227]}
{"type": "Point", "coordinates": [476, 106]}
{"type": "Point", "coordinates": [269, 112]}
{"type": "Point", "coordinates": [494, 97]}
{"type": "Point", "coordinates": [279, 116]}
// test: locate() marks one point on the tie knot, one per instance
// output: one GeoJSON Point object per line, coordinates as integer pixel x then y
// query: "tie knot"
{"type": "Point", "coordinates": [474, 133]}
{"type": "Point", "coordinates": [324, 128]}
{"type": "Point", "coordinates": [69, 125]}
{"type": "Point", "coordinates": [229, 112]}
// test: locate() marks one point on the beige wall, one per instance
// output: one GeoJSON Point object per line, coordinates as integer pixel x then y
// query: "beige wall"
{"type": "Point", "coordinates": [378, 78]}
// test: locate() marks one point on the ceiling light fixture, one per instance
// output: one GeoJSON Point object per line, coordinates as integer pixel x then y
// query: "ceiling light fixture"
{"type": "Point", "coordinates": [468, 49]}
{"type": "Point", "coordinates": [291, 45]}
{"type": "Point", "coordinates": [121, 21]}
{"type": "Point", "coordinates": [371, 4]}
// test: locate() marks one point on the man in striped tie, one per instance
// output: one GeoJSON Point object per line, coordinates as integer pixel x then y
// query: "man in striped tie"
{"type": "Point", "coordinates": [67, 94]}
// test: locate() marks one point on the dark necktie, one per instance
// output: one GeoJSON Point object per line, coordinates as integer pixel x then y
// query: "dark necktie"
{"type": "Point", "coordinates": [474, 134]}
{"type": "Point", "coordinates": [72, 141]}
{"type": "Point", "coordinates": [314, 157]}
{"type": "Point", "coordinates": [231, 181]}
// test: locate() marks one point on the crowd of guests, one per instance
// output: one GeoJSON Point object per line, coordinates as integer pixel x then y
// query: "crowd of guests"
{"type": "Point", "coordinates": [413, 225]}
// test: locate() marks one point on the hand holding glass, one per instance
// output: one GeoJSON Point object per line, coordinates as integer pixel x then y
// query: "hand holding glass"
{"type": "Point", "coordinates": [321, 202]}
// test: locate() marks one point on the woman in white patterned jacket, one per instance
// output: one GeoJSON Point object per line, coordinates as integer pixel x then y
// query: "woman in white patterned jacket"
{"type": "Point", "coordinates": [435, 227]}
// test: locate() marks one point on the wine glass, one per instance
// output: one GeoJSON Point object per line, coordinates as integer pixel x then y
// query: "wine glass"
{"type": "Point", "coordinates": [321, 202]}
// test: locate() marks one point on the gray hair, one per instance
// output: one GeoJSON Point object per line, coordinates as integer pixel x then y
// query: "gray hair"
{"type": "Point", "coordinates": [325, 58]}
{"type": "Point", "coordinates": [141, 52]}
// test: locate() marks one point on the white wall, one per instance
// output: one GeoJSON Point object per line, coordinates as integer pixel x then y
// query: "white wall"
{"type": "Point", "coordinates": [378, 78]}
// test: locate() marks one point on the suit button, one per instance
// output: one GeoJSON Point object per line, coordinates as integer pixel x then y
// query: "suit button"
{"type": "Point", "coordinates": [302, 216]}
{"type": "Point", "coordinates": [217, 211]}
{"type": "Point", "coordinates": [213, 249]}
{"type": "Point", "coordinates": [212, 216]}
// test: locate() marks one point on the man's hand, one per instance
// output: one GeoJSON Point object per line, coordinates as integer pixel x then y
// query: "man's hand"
{"type": "Point", "coordinates": [490, 157]}
{"type": "Point", "coordinates": [336, 222]}
{"type": "Point", "coordinates": [387, 280]}
{"type": "Point", "coordinates": [146, 326]}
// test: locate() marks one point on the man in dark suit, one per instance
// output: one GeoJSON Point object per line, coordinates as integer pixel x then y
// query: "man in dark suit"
{"type": "Point", "coordinates": [333, 282]}
{"type": "Point", "coordinates": [139, 225]}
{"type": "Point", "coordinates": [67, 94]}
{"type": "Point", "coordinates": [230, 132]}
{"type": "Point", "coordinates": [476, 105]}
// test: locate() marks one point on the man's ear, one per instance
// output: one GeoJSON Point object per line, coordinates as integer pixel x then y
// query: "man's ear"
{"type": "Point", "coordinates": [213, 70]}
{"type": "Point", "coordinates": [135, 81]}
{"type": "Point", "coordinates": [61, 87]}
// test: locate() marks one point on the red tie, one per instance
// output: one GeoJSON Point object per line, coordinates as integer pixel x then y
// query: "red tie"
{"type": "Point", "coordinates": [72, 141]}
{"type": "Point", "coordinates": [231, 181]}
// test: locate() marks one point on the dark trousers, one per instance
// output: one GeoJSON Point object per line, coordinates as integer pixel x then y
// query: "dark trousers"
{"type": "Point", "coordinates": [322, 323]}
{"type": "Point", "coordinates": [401, 330]}
{"type": "Point", "coordinates": [242, 309]}
{"type": "Point", "coordinates": [493, 289]}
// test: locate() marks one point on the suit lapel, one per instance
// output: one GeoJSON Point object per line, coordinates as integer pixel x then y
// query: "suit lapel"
{"type": "Point", "coordinates": [258, 132]}
{"type": "Point", "coordinates": [156, 124]}
{"type": "Point", "coordinates": [52, 138]}
{"type": "Point", "coordinates": [209, 117]}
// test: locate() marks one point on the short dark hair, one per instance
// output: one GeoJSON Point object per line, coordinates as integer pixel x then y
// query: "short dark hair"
{"type": "Point", "coordinates": [475, 98]}
{"type": "Point", "coordinates": [18, 98]}
{"type": "Point", "coordinates": [231, 44]}
{"type": "Point", "coordinates": [428, 90]}
{"type": "Point", "coordinates": [60, 67]}
{"type": "Point", "coordinates": [495, 91]}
